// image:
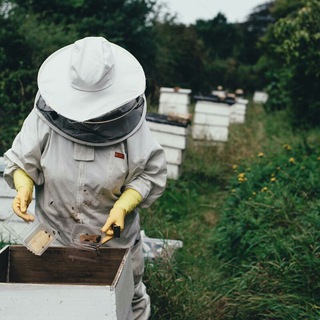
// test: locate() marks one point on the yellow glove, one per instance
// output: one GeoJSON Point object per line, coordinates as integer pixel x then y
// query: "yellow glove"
{"type": "Point", "coordinates": [128, 201]}
{"type": "Point", "coordinates": [24, 186]}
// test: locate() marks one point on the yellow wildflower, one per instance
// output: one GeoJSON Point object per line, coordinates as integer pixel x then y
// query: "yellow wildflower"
{"type": "Point", "coordinates": [234, 167]}
{"type": "Point", "coordinates": [264, 189]}
{"type": "Point", "coordinates": [287, 146]}
{"type": "Point", "coordinates": [241, 177]}
{"type": "Point", "coordinates": [273, 179]}
{"type": "Point", "coordinates": [254, 193]}
{"type": "Point", "coordinates": [291, 160]}
{"type": "Point", "coordinates": [260, 154]}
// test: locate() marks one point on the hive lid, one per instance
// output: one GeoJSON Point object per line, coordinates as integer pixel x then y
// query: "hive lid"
{"type": "Point", "coordinates": [165, 119]}
{"type": "Point", "coordinates": [213, 98]}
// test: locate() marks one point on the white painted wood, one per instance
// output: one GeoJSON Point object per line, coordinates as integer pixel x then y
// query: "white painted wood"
{"type": "Point", "coordinates": [242, 101]}
{"type": "Point", "coordinates": [2, 165]}
{"type": "Point", "coordinates": [78, 302]}
{"type": "Point", "coordinates": [219, 93]}
{"type": "Point", "coordinates": [204, 132]}
{"type": "Point", "coordinates": [238, 112]}
{"type": "Point", "coordinates": [173, 140]}
{"type": "Point", "coordinates": [174, 171]}
{"type": "Point", "coordinates": [173, 155]}
{"type": "Point", "coordinates": [211, 119]}
{"type": "Point", "coordinates": [174, 90]}
{"type": "Point", "coordinates": [170, 140]}
{"type": "Point", "coordinates": [211, 107]}
{"type": "Point", "coordinates": [260, 97]}
{"type": "Point", "coordinates": [174, 100]}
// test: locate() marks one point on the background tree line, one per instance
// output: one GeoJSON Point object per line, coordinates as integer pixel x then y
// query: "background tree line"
{"type": "Point", "coordinates": [276, 49]}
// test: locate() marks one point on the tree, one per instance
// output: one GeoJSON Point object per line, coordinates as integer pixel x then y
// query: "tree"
{"type": "Point", "coordinates": [31, 30]}
{"type": "Point", "coordinates": [295, 50]}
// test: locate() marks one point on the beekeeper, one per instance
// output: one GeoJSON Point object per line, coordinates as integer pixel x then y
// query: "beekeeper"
{"type": "Point", "coordinates": [86, 148]}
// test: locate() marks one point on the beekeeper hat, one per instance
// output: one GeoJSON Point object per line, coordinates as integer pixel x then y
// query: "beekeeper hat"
{"type": "Point", "coordinates": [90, 78]}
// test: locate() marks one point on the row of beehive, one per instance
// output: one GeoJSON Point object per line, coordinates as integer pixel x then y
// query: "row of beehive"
{"type": "Point", "coordinates": [211, 121]}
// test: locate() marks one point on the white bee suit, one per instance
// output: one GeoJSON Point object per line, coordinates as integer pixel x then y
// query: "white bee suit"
{"type": "Point", "coordinates": [77, 183]}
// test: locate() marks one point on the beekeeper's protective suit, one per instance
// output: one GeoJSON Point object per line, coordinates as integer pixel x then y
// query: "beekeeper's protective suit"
{"type": "Point", "coordinates": [88, 150]}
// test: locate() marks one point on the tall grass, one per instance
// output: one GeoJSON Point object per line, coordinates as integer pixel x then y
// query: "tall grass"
{"type": "Point", "coordinates": [248, 215]}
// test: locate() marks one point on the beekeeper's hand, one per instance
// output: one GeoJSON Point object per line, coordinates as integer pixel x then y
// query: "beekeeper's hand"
{"type": "Point", "coordinates": [24, 186]}
{"type": "Point", "coordinates": [127, 202]}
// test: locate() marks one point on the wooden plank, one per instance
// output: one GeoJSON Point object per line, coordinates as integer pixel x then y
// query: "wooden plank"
{"type": "Point", "coordinates": [170, 140]}
{"type": "Point", "coordinates": [4, 260]}
{"type": "Point", "coordinates": [202, 132]}
{"type": "Point", "coordinates": [52, 302]}
{"type": "Point", "coordinates": [210, 107]}
{"type": "Point", "coordinates": [173, 155]}
{"type": "Point", "coordinates": [174, 171]}
{"type": "Point", "coordinates": [56, 266]}
{"type": "Point", "coordinates": [212, 120]}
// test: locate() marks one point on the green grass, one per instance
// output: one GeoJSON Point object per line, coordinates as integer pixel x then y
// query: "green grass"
{"type": "Point", "coordinates": [248, 216]}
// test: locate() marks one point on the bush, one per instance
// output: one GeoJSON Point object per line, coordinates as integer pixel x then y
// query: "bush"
{"type": "Point", "coordinates": [267, 240]}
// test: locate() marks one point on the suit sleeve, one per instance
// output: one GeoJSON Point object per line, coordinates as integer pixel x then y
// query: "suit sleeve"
{"type": "Point", "coordinates": [26, 150]}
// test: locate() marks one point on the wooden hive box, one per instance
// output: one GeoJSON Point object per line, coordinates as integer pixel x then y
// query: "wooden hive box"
{"type": "Point", "coordinates": [175, 100]}
{"type": "Point", "coordinates": [211, 121]}
{"type": "Point", "coordinates": [65, 283]}
{"type": "Point", "coordinates": [173, 137]}
{"type": "Point", "coordinates": [238, 111]}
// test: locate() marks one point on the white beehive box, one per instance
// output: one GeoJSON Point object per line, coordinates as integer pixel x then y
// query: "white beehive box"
{"type": "Point", "coordinates": [173, 138]}
{"type": "Point", "coordinates": [6, 197]}
{"type": "Point", "coordinates": [211, 121]}
{"type": "Point", "coordinates": [238, 111]}
{"type": "Point", "coordinates": [260, 97]}
{"type": "Point", "coordinates": [219, 93]}
{"type": "Point", "coordinates": [174, 100]}
{"type": "Point", "coordinates": [57, 286]}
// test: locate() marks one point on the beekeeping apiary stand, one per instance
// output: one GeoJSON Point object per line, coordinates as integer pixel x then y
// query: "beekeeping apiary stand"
{"type": "Point", "coordinates": [63, 285]}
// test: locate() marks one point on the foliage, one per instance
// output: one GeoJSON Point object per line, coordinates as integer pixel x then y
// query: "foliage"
{"type": "Point", "coordinates": [180, 57]}
{"type": "Point", "coordinates": [255, 27]}
{"type": "Point", "coordinates": [268, 236]}
{"type": "Point", "coordinates": [294, 48]}
{"type": "Point", "coordinates": [32, 30]}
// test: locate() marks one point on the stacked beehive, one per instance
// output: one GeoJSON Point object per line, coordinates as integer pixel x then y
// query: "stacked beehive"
{"type": "Point", "coordinates": [260, 97]}
{"type": "Point", "coordinates": [172, 136]}
{"type": "Point", "coordinates": [211, 119]}
{"type": "Point", "coordinates": [238, 111]}
{"type": "Point", "coordinates": [170, 126]}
